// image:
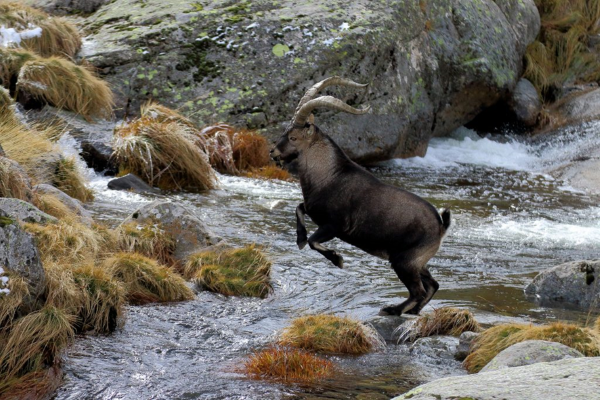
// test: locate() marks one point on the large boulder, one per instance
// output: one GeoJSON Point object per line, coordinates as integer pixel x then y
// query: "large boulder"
{"type": "Point", "coordinates": [530, 352]}
{"type": "Point", "coordinates": [22, 211]}
{"type": "Point", "coordinates": [431, 66]}
{"type": "Point", "coordinates": [19, 255]}
{"type": "Point", "coordinates": [573, 284]}
{"type": "Point", "coordinates": [581, 107]}
{"type": "Point", "coordinates": [568, 379]}
{"type": "Point", "coordinates": [181, 223]}
{"type": "Point", "coordinates": [72, 204]}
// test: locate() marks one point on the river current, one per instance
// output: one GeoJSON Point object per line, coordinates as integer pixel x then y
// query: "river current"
{"type": "Point", "coordinates": [511, 219]}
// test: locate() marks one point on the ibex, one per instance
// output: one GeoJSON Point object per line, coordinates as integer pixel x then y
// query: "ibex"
{"type": "Point", "coordinates": [349, 203]}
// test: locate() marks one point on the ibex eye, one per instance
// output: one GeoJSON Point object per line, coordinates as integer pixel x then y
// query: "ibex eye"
{"type": "Point", "coordinates": [293, 139]}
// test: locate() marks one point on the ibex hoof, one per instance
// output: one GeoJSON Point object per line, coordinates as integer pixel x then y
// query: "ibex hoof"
{"type": "Point", "coordinates": [390, 310]}
{"type": "Point", "coordinates": [301, 243]}
{"type": "Point", "coordinates": [339, 262]}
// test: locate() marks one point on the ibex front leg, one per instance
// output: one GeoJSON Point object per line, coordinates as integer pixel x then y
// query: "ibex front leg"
{"type": "Point", "coordinates": [324, 234]}
{"type": "Point", "coordinates": [301, 239]}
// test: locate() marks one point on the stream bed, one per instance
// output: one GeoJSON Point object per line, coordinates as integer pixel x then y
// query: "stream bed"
{"type": "Point", "coordinates": [511, 219]}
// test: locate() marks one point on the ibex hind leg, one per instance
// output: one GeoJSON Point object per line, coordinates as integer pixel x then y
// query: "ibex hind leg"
{"type": "Point", "coordinates": [301, 234]}
{"type": "Point", "coordinates": [324, 234]}
{"type": "Point", "coordinates": [431, 287]}
{"type": "Point", "coordinates": [409, 275]}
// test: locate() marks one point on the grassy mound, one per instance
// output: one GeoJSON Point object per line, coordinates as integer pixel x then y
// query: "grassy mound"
{"type": "Point", "coordinates": [68, 178]}
{"type": "Point", "coordinates": [149, 240]}
{"type": "Point", "coordinates": [561, 54]}
{"type": "Point", "coordinates": [58, 36]}
{"type": "Point", "coordinates": [146, 281]}
{"type": "Point", "coordinates": [237, 272]}
{"type": "Point", "coordinates": [492, 341]}
{"type": "Point", "coordinates": [164, 154]}
{"type": "Point", "coordinates": [13, 182]}
{"type": "Point", "coordinates": [10, 303]}
{"type": "Point", "coordinates": [287, 365]}
{"type": "Point", "coordinates": [61, 83]}
{"type": "Point", "coordinates": [33, 341]}
{"type": "Point", "coordinates": [443, 321]}
{"type": "Point", "coordinates": [330, 334]}
{"type": "Point", "coordinates": [104, 299]}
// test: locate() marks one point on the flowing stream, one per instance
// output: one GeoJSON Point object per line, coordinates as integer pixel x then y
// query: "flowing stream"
{"type": "Point", "coordinates": [511, 220]}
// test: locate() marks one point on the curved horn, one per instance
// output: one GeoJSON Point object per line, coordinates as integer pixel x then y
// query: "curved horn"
{"type": "Point", "coordinates": [317, 87]}
{"type": "Point", "coordinates": [325, 102]}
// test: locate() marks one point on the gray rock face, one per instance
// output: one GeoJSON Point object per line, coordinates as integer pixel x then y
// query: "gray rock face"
{"type": "Point", "coordinates": [583, 107]}
{"type": "Point", "coordinates": [19, 255]}
{"type": "Point", "coordinates": [67, 6]}
{"type": "Point", "coordinates": [435, 347]}
{"type": "Point", "coordinates": [525, 103]}
{"type": "Point", "coordinates": [131, 182]}
{"type": "Point", "coordinates": [181, 223]}
{"type": "Point", "coordinates": [559, 380]}
{"type": "Point", "coordinates": [573, 283]}
{"type": "Point", "coordinates": [20, 210]}
{"type": "Point", "coordinates": [73, 204]}
{"type": "Point", "coordinates": [387, 326]}
{"type": "Point", "coordinates": [464, 345]}
{"type": "Point", "coordinates": [431, 68]}
{"type": "Point", "coordinates": [530, 352]}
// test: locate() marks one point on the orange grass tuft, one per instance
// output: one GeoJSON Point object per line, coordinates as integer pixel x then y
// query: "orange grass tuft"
{"type": "Point", "coordinates": [287, 365]}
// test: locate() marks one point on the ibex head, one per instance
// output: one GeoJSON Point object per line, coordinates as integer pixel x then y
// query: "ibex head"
{"type": "Point", "coordinates": [302, 132]}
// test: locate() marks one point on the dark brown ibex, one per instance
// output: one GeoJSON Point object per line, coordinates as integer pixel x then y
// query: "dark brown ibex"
{"type": "Point", "coordinates": [348, 202]}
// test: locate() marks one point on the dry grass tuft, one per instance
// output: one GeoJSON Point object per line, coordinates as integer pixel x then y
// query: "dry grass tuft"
{"type": "Point", "coordinates": [32, 385]}
{"type": "Point", "coordinates": [61, 83]}
{"type": "Point", "coordinates": [597, 325]}
{"type": "Point", "coordinates": [164, 154]}
{"type": "Point", "coordinates": [5, 102]}
{"type": "Point", "coordinates": [330, 334]}
{"type": "Point", "coordinates": [66, 242]}
{"type": "Point", "coordinates": [51, 204]}
{"type": "Point", "coordinates": [161, 113]}
{"type": "Point", "coordinates": [146, 281]}
{"type": "Point", "coordinates": [443, 321]}
{"type": "Point", "coordinates": [236, 272]}
{"type": "Point", "coordinates": [10, 303]}
{"type": "Point", "coordinates": [59, 36]}
{"type": "Point", "coordinates": [270, 172]}
{"type": "Point", "coordinates": [492, 341]}
{"type": "Point", "coordinates": [61, 291]}
{"type": "Point", "coordinates": [147, 239]}
{"type": "Point", "coordinates": [287, 365]}
{"type": "Point", "coordinates": [68, 178]}
{"type": "Point", "coordinates": [13, 181]}
{"type": "Point", "coordinates": [104, 299]}
{"type": "Point", "coordinates": [34, 340]}
{"type": "Point", "coordinates": [11, 62]}
{"type": "Point", "coordinates": [38, 158]}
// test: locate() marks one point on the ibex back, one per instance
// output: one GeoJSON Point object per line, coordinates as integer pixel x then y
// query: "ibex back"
{"type": "Point", "coordinates": [348, 202]}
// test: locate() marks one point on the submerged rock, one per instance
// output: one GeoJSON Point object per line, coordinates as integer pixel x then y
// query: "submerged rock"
{"type": "Point", "coordinates": [72, 204]}
{"type": "Point", "coordinates": [131, 182]}
{"type": "Point", "coordinates": [387, 326]}
{"type": "Point", "coordinates": [437, 64]}
{"type": "Point", "coordinates": [573, 284]}
{"type": "Point", "coordinates": [530, 352]}
{"type": "Point", "coordinates": [188, 231]}
{"type": "Point", "coordinates": [559, 380]}
{"type": "Point", "coordinates": [464, 345]}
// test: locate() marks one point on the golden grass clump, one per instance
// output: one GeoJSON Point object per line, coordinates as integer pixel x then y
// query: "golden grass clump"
{"type": "Point", "coordinates": [32, 150]}
{"type": "Point", "coordinates": [443, 321]}
{"type": "Point", "coordinates": [10, 303]}
{"type": "Point", "coordinates": [148, 239]}
{"type": "Point", "coordinates": [52, 205]}
{"type": "Point", "coordinates": [161, 113]}
{"type": "Point", "coordinates": [11, 62]}
{"type": "Point", "coordinates": [58, 36]}
{"type": "Point", "coordinates": [146, 281]}
{"type": "Point", "coordinates": [61, 83]}
{"type": "Point", "coordinates": [493, 340]}
{"type": "Point", "coordinates": [287, 365]}
{"type": "Point", "coordinates": [68, 178]}
{"type": "Point", "coordinates": [34, 340]}
{"type": "Point", "coordinates": [67, 241]}
{"type": "Point", "coordinates": [560, 54]}
{"type": "Point", "coordinates": [13, 181]}
{"type": "Point", "coordinates": [164, 154]}
{"type": "Point", "coordinates": [104, 299]}
{"type": "Point", "coordinates": [235, 272]}
{"type": "Point", "coordinates": [597, 325]}
{"type": "Point", "coordinates": [61, 291]}
{"type": "Point", "coordinates": [5, 101]}
{"type": "Point", "coordinates": [330, 334]}
{"type": "Point", "coordinates": [270, 172]}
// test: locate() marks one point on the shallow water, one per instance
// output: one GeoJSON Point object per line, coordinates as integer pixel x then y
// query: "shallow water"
{"type": "Point", "coordinates": [511, 220]}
